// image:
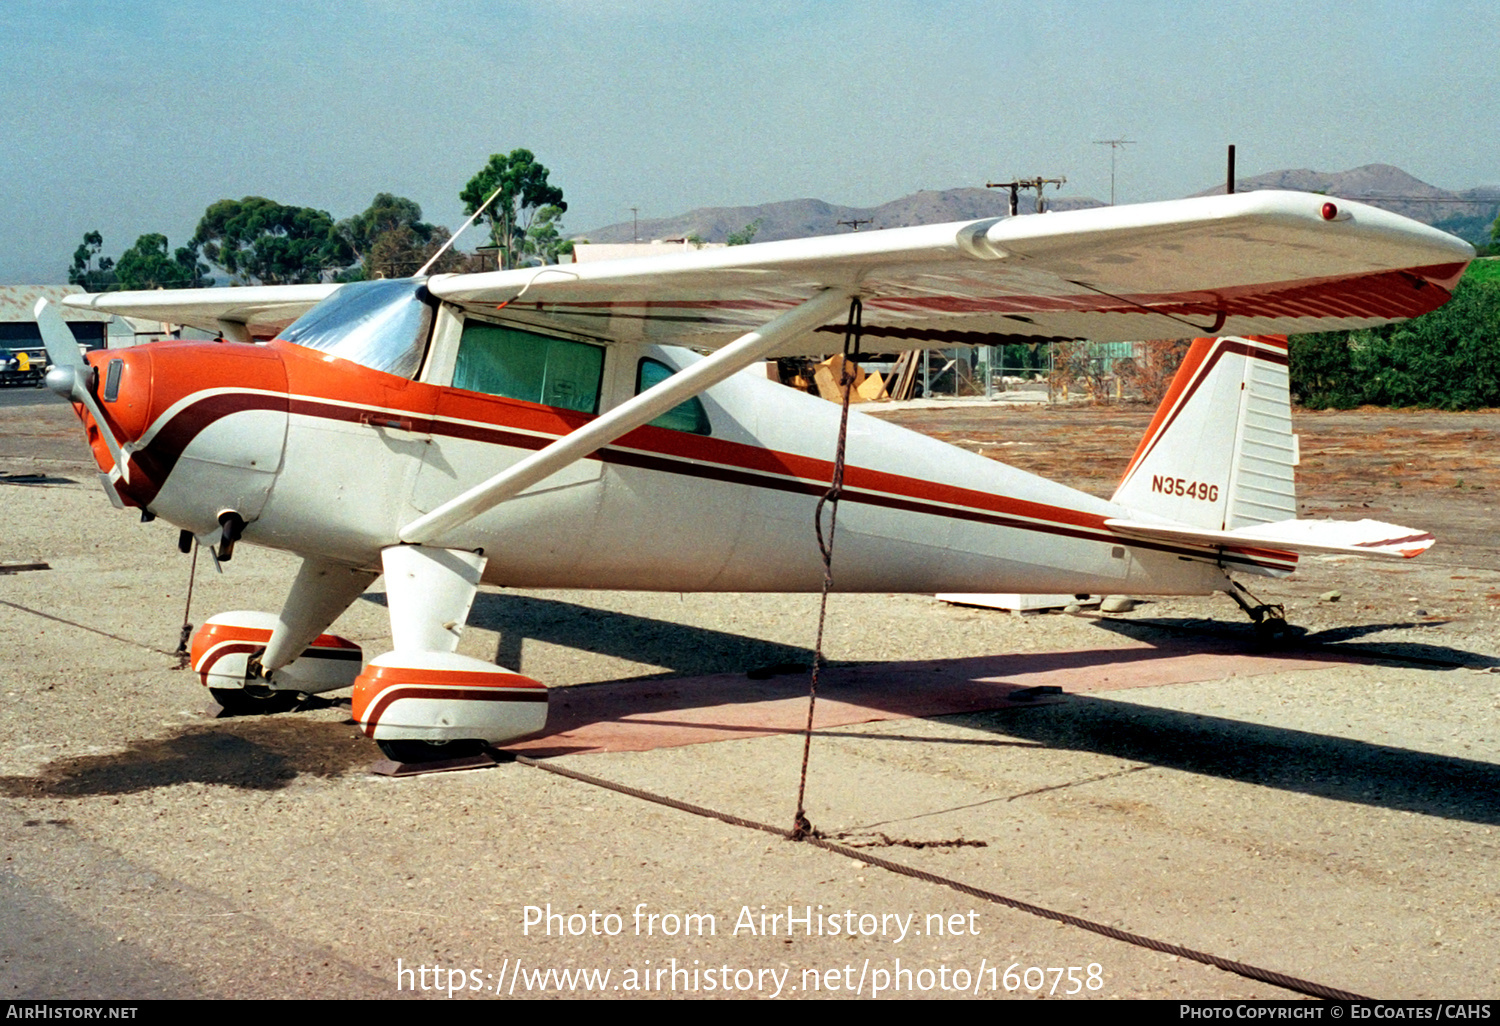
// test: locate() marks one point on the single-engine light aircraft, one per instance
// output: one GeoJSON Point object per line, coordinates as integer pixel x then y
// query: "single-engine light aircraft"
{"type": "Point", "coordinates": [558, 427]}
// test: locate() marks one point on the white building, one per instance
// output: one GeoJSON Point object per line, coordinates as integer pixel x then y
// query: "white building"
{"type": "Point", "coordinates": [588, 252]}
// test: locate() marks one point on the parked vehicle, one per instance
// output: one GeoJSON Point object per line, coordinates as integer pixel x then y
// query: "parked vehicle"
{"type": "Point", "coordinates": [22, 367]}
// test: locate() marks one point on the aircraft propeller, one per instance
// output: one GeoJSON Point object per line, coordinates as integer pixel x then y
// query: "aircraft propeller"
{"type": "Point", "coordinates": [73, 378]}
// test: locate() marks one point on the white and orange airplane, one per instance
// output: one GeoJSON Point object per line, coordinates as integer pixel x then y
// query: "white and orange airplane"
{"type": "Point", "coordinates": [553, 428]}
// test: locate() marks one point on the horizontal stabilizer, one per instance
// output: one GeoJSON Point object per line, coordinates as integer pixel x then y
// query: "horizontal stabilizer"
{"type": "Point", "coordinates": [1357, 538]}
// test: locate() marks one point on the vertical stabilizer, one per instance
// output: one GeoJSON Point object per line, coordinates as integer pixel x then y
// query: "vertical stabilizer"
{"type": "Point", "coordinates": [1219, 453]}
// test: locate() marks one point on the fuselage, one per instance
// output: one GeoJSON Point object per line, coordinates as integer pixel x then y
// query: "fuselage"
{"type": "Point", "coordinates": [322, 455]}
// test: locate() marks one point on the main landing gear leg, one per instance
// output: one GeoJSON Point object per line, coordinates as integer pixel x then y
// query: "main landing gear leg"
{"type": "Point", "coordinates": [320, 593]}
{"type": "Point", "coordinates": [1269, 619]}
{"type": "Point", "coordinates": [255, 662]}
{"type": "Point", "coordinates": [424, 702]}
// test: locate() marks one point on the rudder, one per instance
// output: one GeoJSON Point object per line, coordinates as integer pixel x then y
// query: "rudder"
{"type": "Point", "coordinates": [1219, 453]}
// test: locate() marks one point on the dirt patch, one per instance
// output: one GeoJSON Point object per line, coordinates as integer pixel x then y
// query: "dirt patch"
{"type": "Point", "coordinates": [37, 425]}
{"type": "Point", "coordinates": [261, 755]}
{"type": "Point", "coordinates": [1426, 469]}
{"type": "Point", "coordinates": [1348, 456]}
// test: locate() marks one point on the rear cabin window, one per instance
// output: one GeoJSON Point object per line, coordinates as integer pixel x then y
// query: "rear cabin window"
{"type": "Point", "coordinates": [689, 416]}
{"type": "Point", "coordinates": [535, 368]}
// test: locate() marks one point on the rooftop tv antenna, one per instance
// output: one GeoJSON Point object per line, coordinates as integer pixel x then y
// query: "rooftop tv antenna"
{"type": "Point", "coordinates": [1114, 148]}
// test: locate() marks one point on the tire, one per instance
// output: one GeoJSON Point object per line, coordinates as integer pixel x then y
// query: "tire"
{"type": "Point", "coordinates": [254, 701]}
{"type": "Point", "coordinates": [431, 751]}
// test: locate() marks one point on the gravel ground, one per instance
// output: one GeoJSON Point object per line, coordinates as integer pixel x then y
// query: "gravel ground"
{"type": "Point", "coordinates": [1335, 823]}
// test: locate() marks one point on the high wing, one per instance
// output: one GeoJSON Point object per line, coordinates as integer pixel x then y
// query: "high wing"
{"type": "Point", "coordinates": [258, 311]}
{"type": "Point", "coordinates": [1245, 264]}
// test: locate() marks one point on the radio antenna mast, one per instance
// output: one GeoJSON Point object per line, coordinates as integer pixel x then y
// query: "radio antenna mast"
{"type": "Point", "coordinates": [454, 237]}
{"type": "Point", "coordinates": [1114, 148]}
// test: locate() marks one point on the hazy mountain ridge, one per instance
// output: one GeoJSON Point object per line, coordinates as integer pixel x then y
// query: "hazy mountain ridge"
{"type": "Point", "coordinates": [801, 218]}
{"type": "Point", "coordinates": [1467, 213]}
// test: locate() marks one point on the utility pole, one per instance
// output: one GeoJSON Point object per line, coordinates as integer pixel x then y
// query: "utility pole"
{"type": "Point", "coordinates": [1114, 148]}
{"type": "Point", "coordinates": [1026, 183]}
{"type": "Point", "coordinates": [635, 224]}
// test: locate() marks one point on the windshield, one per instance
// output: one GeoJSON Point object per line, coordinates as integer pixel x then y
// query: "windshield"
{"type": "Point", "coordinates": [381, 324]}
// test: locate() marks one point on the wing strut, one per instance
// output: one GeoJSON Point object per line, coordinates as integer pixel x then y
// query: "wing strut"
{"type": "Point", "coordinates": [628, 416]}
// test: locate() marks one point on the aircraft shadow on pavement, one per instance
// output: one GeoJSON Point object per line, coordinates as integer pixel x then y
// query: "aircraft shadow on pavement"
{"type": "Point", "coordinates": [1302, 762]}
{"type": "Point", "coordinates": [1335, 641]}
{"type": "Point", "coordinates": [269, 752]}
{"type": "Point", "coordinates": [1337, 768]}
{"type": "Point", "coordinates": [681, 649]}
{"type": "Point", "coordinates": [1323, 765]}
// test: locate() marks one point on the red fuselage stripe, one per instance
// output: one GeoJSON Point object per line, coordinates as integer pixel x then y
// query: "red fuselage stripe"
{"type": "Point", "coordinates": [752, 466]}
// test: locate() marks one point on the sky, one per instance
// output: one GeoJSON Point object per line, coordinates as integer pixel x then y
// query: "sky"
{"type": "Point", "coordinates": [133, 118]}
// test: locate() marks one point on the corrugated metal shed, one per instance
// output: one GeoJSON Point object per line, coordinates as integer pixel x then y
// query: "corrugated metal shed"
{"type": "Point", "coordinates": [17, 301]}
{"type": "Point", "coordinates": [93, 328]}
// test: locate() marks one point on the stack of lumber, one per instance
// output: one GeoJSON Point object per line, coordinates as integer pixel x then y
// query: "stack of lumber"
{"type": "Point", "coordinates": [903, 381]}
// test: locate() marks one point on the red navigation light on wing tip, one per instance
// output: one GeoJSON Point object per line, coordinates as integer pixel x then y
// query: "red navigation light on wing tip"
{"type": "Point", "coordinates": [1330, 211]}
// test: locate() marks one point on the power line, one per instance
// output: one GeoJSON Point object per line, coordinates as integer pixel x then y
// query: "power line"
{"type": "Point", "coordinates": [1026, 183]}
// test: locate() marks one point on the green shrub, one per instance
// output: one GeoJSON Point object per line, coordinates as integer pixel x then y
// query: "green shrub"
{"type": "Point", "coordinates": [1448, 359]}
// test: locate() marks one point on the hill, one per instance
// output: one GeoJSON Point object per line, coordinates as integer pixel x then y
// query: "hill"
{"type": "Point", "coordinates": [1467, 214]}
{"type": "Point", "coordinates": [801, 218]}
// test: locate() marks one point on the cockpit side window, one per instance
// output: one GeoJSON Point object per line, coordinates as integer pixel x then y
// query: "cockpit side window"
{"type": "Point", "coordinates": [381, 324]}
{"type": "Point", "coordinates": [523, 365]}
{"type": "Point", "coordinates": [687, 416]}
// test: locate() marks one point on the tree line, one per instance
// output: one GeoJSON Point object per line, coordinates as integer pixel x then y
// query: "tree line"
{"type": "Point", "coordinates": [258, 241]}
{"type": "Point", "coordinates": [1448, 359]}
